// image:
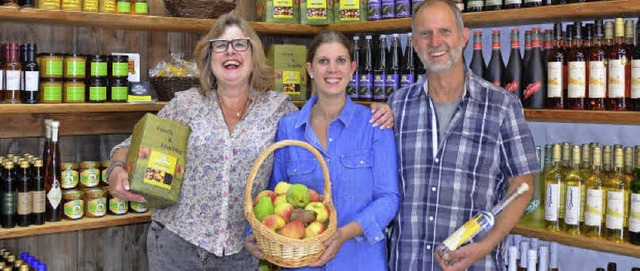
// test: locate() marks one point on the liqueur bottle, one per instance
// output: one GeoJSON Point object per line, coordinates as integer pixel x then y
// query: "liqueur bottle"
{"type": "Point", "coordinates": [392, 82]}
{"type": "Point", "coordinates": [565, 166]}
{"type": "Point", "coordinates": [12, 74]}
{"type": "Point", "coordinates": [598, 71]}
{"type": "Point", "coordinates": [477, 65]}
{"type": "Point", "coordinates": [628, 34]}
{"type": "Point", "coordinates": [535, 83]}
{"type": "Point", "coordinates": [556, 71]}
{"type": "Point", "coordinates": [39, 194]}
{"type": "Point", "coordinates": [30, 76]}
{"type": "Point", "coordinates": [421, 71]}
{"type": "Point", "coordinates": [495, 69]}
{"type": "Point", "coordinates": [594, 211]}
{"type": "Point", "coordinates": [548, 43]}
{"type": "Point", "coordinates": [52, 176]}
{"type": "Point", "coordinates": [460, 5]}
{"type": "Point", "coordinates": [619, 82]}
{"type": "Point", "coordinates": [352, 88]}
{"type": "Point", "coordinates": [9, 195]}
{"type": "Point", "coordinates": [577, 65]}
{"type": "Point", "coordinates": [634, 203]}
{"type": "Point", "coordinates": [553, 180]}
{"type": "Point", "coordinates": [380, 72]}
{"type": "Point", "coordinates": [365, 88]}
{"type": "Point", "coordinates": [408, 69]}
{"type": "Point", "coordinates": [617, 190]}
{"type": "Point", "coordinates": [574, 184]}
{"type": "Point", "coordinates": [24, 195]}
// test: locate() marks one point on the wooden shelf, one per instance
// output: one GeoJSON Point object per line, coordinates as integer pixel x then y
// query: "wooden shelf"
{"type": "Point", "coordinates": [79, 108]}
{"type": "Point", "coordinates": [583, 116]}
{"type": "Point", "coordinates": [76, 225]}
{"type": "Point", "coordinates": [579, 241]}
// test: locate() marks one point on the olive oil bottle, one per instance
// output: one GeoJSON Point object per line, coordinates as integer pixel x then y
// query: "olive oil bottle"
{"type": "Point", "coordinates": [553, 180]}
{"type": "Point", "coordinates": [595, 197]}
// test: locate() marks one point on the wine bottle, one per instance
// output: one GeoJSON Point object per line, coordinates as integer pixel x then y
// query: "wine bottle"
{"type": "Point", "coordinates": [565, 167]}
{"type": "Point", "coordinates": [635, 73]}
{"type": "Point", "coordinates": [634, 203]}
{"type": "Point", "coordinates": [612, 267]}
{"type": "Point", "coordinates": [543, 261]}
{"type": "Point", "coordinates": [9, 196]}
{"type": "Point", "coordinates": [585, 171]}
{"type": "Point", "coordinates": [12, 74]}
{"type": "Point", "coordinates": [556, 70]}
{"type": "Point", "coordinates": [574, 184]}
{"type": "Point", "coordinates": [628, 34]}
{"type": "Point", "coordinates": [475, 5]}
{"type": "Point", "coordinates": [392, 82]}
{"type": "Point", "coordinates": [619, 71]}
{"type": "Point", "coordinates": [527, 49]}
{"type": "Point", "coordinates": [353, 86]}
{"type": "Point", "coordinates": [595, 196]}
{"type": "Point", "coordinates": [513, 258]}
{"type": "Point", "coordinates": [509, 4]}
{"type": "Point", "coordinates": [477, 65]}
{"type": "Point", "coordinates": [495, 69]}
{"type": "Point", "coordinates": [548, 43]}
{"type": "Point", "coordinates": [617, 190]}
{"type": "Point", "coordinates": [577, 65]}
{"type": "Point", "coordinates": [513, 76]}
{"type": "Point", "coordinates": [535, 83]}
{"type": "Point", "coordinates": [480, 224]}
{"type": "Point", "coordinates": [532, 3]}
{"type": "Point", "coordinates": [380, 72]}
{"type": "Point", "coordinates": [52, 176]}
{"type": "Point", "coordinates": [408, 70]}
{"type": "Point", "coordinates": [524, 247]}
{"type": "Point", "coordinates": [24, 195]}
{"type": "Point", "coordinates": [365, 87]}
{"type": "Point", "coordinates": [534, 214]}
{"type": "Point", "coordinates": [553, 180]}
{"type": "Point", "coordinates": [493, 4]}
{"type": "Point", "coordinates": [597, 70]}
{"type": "Point", "coordinates": [532, 258]}
{"type": "Point", "coordinates": [39, 194]}
{"type": "Point", "coordinates": [421, 72]}
{"type": "Point", "coordinates": [30, 75]}
{"type": "Point", "coordinates": [553, 256]}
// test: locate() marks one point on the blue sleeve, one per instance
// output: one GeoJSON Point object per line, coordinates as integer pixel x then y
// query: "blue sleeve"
{"type": "Point", "coordinates": [279, 171]}
{"type": "Point", "coordinates": [386, 195]}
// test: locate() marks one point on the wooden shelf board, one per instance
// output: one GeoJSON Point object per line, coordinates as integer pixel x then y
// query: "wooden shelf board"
{"type": "Point", "coordinates": [583, 116]}
{"type": "Point", "coordinates": [76, 225]}
{"type": "Point", "coordinates": [579, 241]}
{"type": "Point", "coordinates": [79, 108]}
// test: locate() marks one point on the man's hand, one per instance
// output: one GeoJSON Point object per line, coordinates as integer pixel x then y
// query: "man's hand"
{"type": "Point", "coordinates": [463, 257]}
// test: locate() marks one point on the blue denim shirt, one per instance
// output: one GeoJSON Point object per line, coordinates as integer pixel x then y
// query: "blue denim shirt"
{"type": "Point", "coordinates": [363, 170]}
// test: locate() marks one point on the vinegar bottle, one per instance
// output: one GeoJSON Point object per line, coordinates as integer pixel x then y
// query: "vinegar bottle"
{"type": "Point", "coordinates": [352, 88]}
{"type": "Point", "coordinates": [9, 195]}
{"type": "Point", "coordinates": [38, 208]}
{"type": "Point", "coordinates": [380, 72]}
{"type": "Point", "coordinates": [52, 176]}
{"type": "Point", "coordinates": [597, 71]}
{"type": "Point", "coordinates": [392, 82]}
{"type": "Point", "coordinates": [408, 69]}
{"type": "Point", "coordinates": [24, 195]}
{"type": "Point", "coordinates": [365, 87]}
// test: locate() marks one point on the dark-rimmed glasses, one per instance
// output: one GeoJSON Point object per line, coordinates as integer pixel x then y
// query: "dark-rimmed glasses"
{"type": "Point", "coordinates": [221, 45]}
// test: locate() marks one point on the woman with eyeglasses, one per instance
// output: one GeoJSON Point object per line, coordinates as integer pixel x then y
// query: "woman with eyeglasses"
{"type": "Point", "coordinates": [233, 116]}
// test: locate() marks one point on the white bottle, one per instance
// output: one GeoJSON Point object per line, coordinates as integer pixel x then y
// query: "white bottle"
{"type": "Point", "coordinates": [532, 258]}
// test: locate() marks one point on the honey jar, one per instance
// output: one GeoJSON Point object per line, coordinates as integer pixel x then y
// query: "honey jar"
{"type": "Point", "coordinates": [138, 207]}
{"type": "Point", "coordinates": [71, 5]}
{"type": "Point", "coordinates": [119, 66]}
{"type": "Point", "coordinates": [51, 65]}
{"type": "Point", "coordinates": [73, 204]}
{"type": "Point", "coordinates": [74, 66]}
{"type": "Point", "coordinates": [69, 175]}
{"type": "Point", "coordinates": [103, 173]}
{"type": "Point", "coordinates": [117, 206]}
{"type": "Point", "coordinates": [50, 90]}
{"type": "Point", "coordinates": [90, 5]}
{"type": "Point", "coordinates": [89, 174]}
{"type": "Point", "coordinates": [107, 6]}
{"type": "Point", "coordinates": [98, 66]}
{"type": "Point", "coordinates": [73, 91]}
{"type": "Point", "coordinates": [95, 202]}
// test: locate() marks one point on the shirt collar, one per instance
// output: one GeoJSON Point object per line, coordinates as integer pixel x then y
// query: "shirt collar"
{"type": "Point", "coordinates": [345, 116]}
{"type": "Point", "coordinates": [471, 89]}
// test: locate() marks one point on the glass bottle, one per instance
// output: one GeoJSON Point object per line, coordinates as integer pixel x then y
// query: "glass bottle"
{"type": "Point", "coordinates": [30, 76]}
{"type": "Point", "coordinates": [493, 4]}
{"type": "Point", "coordinates": [495, 69]}
{"type": "Point", "coordinates": [532, 260]}
{"type": "Point", "coordinates": [421, 72]}
{"type": "Point", "coordinates": [509, 4]}
{"type": "Point", "coordinates": [24, 195]}
{"type": "Point", "coordinates": [612, 266]}
{"type": "Point", "coordinates": [524, 247]}
{"type": "Point", "coordinates": [535, 83]}
{"type": "Point", "coordinates": [475, 5]}
{"type": "Point", "coordinates": [526, 57]}
{"type": "Point", "coordinates": [574, 183]}
{"type": "Point", "coordinates": [477, 65]}
{"type": "Point", "coordinates": [548, 43]}
{"type": "Point", "coordinates": [617, 191]}
{"type": "Point", "coordinates": [352, 88]}
{"type": "Point", "coordinates": [532, 3]}
{"type": "Point", "coordinates": [553, 256]}
{"type": "Point", "coordinates": [365, 91]}
{"type": "Point", "coordinates": [597, 70]}
{"type": "Point", "coordinates": [408, 70]}
{"type": "Point", "coordinates": [9, 193]}
{"type": "Point", "coordinates": [556, 70]}
{"type": "Point", "coordinates": [635, 73]}
{"type": "Point", "coordinates": [577, 70]}
{"type": "Point", "coordinates": [39, 193]}
{"type": "Point", "coordinates": [52, 176]}
{"type": "Point", "coordinates": [460, 4]}
{"type": "Point", "coordinates": [619, 82]}
{"type": "Point", "coordinates": [634, 203]}
{"type": "Point", "coordinates": [534, 214]}
{"type": "Point", "coordinates": [12, 74]}
{"type": "Point", "coordinates": [513, 76]}
{"type": "Point", "coordinates": [565, 166]}
{"type": "Point", "coordinates": [543, 259]}
{"type": "Point", "coordinates": [392, 82]}
{"type": "Point", "coordinates": [380, 72]}
{"type": "Point", "coordinates": [585, 171]}
{"type": "Point", "coordinates": [628, 34]}
{"type": "Point", "coordinates": [513, 259]}
{"type": "Point", "coordinates": [553, 181]}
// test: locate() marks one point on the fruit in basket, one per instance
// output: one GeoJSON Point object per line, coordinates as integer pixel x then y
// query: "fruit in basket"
{"type": "Point", "coordinates": [298, 195]}
{"type": "Point", "coordinates": [320, 209]}
{"type": "Point", "coordinates": [280, 199]}
{"type": "Point", "coordinates": [293, 229]}
{"type": "Point", "coordinates": [274, 222]}
{"type": "Point", "coordinates": [284, 210]}
{"type": "Point", "coordinates": [314, 229]}
{"type": "Point", "coordinates": [264, 193]}
{"type": "Point", "coordinates": [305, 216]}
{"type": "Point", "coordinates": [282, 188]}
{"type": "Point", "coordinates": [314, 196]}
{"type": "Point", "coordinates": [263, 208]}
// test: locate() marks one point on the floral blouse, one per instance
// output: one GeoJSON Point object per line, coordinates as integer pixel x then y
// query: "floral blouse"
{"type": "Point", "coordinates": [210, 212]}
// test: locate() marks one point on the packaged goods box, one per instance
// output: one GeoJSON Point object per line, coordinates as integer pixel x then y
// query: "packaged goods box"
{"type": "Point", "coordinates": [288, 62]}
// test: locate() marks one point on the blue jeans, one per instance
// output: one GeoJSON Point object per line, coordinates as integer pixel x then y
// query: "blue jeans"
{"type": "Point", "coordinates": [169, 252]}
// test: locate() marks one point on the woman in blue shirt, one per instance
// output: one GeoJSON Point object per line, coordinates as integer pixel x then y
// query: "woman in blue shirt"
{"type": "Point", "coordinates": [361, 159]}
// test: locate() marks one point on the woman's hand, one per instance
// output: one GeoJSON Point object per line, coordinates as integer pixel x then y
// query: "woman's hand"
{"type": "Point", "coordinates": [251, 246]}
{"type": "Point", "coordinates": [119, 186]}
{"type": "Point", "coordinates": [382, 115]}
{"type": "Point", "coordinates": [333, 246]}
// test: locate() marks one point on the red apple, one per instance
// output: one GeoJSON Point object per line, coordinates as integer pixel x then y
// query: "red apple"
{"type": "Point", "coordinates": [284, 210]}
{"type": "Point", "coordinates": [294, 229]}
{"type": "Point", "coordinates": [273, 222]}
{"type": "Point", "coordinates": [314, 196]}
{"type": "Point", "coordinates": [321, 210]}
{"type": "Point", "coordinates": [314, 229]}
{"type": "Point", "coordinates": [280, 199]}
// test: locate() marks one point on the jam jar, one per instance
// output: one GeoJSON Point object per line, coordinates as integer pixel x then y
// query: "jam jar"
{"type": "Point", "coordinates": [89, 174]}
{"type": "Point", "coordinates": [95, 202]}
{"type": "Point", "coordinates": [69, 175]}
{"type": "Point", "coordinates": [73, 204]}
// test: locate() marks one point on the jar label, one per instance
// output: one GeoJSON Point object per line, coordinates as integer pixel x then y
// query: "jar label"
{"type": "Point", "coordinates": [52, 94]}
{"type": "Point", "coordinates": [103, 175]}
{"type": "Point", "coordinates": [24, 203]}
{"type": "Point", "coordinates": [97, 93]}
{"type": "Point", "coordinates": [108, 6]}
{"type": "Point", "coordinates": [119, 93]}
{"type": "Point", "coordinates": [89, 177]}
{"type": "Point", "coordinates": [70, 4]}
{"type": "Point", "coordinates": [98, 69]}
{"type": "Point", "coordinates": [141, 8]}
{"type": "Point", "coordinates": [31, 80]}
{"type": "Point", "coordinates": [124, 7]}
{"type": "Point", "coordinates": [75, 68]}
{"type": "Point", "coordinates": [69, 179]}
{"type": "Point", "coordinates": [120, 69]}
{"type": "Point", "coordinates": [97, 206]}
{"type": "Point", "coordinates": [74, 209]}
{"type": "Point", "coordinates": [38, 202]}
{"type": "Point", "coordinates": [75, 94]}
{"type": "Point", "coordinates": [51, 4]}
{"type": "Point", "coordinates": [9, 202]}
{"type": "Point", "coordinates": [117, 206]}
{"type": "Point", "coordinates": [53, 68]}
{"type": "Point", "coordinates": [90, 5]}
{"type": "Point", "coordinates": [138, 206]}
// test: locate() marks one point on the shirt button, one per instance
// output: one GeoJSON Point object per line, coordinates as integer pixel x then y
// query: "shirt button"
{"type": "Point", "coordinates": [431, 218]}
{"type": "Point", "coordinates": [428, 247]}
{"type": "Point", "coordinates": [377, 238]}
{"type": "Point", "coordinates": [437, 160]}
{"type": "Point", "coordinates": [433, 189]}
{"type": "Point", "coordinates": [328, 159]}
{"type": "Point", "coordinates": [330, 139]}
{"type": "Point", "coordinates": [361, 162]}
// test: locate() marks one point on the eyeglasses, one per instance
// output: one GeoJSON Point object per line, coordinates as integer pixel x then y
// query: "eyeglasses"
{"type": "Point", "coordinates": [221, 45]}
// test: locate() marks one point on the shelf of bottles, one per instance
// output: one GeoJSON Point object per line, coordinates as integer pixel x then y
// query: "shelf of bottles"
{"type": "Point", "coordinates": [11, 261]}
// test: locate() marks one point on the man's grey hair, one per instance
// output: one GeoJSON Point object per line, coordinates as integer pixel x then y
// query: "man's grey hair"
{"type": "Point", "coordinates": [449, 4]}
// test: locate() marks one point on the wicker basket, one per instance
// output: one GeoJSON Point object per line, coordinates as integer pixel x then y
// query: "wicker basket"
{"type": "Point", "coordinates": [280, 250]}
{"type": "Point", "coordinates": [205, 9]}
{"type": "Point", "coordinates": [168, 86]}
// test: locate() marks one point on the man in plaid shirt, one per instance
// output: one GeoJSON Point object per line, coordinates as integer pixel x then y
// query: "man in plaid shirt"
{"type": "Point", "coordinates": [463, 144]}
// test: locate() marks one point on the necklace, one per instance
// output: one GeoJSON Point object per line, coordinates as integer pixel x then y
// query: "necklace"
{"type": "Point", "coordinates": [240, 113]}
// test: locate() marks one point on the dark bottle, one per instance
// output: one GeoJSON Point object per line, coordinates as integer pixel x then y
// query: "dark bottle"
{"type": "Point", "coordinates": [577, 1]}
{"type": "Point", "coordinates": [52, 177]}
{"type": "Point", "coordinates": [612, 267]}
{"type": "Point", "coordinates": [392, 83]}
{"type": "Point", "coordinates": [628, 34]}
{"type": "Point", "coordinates": [513, 76]}
{"type": "Point", "coordinates": [475, 5]}
{"type": "Point", "coordinates": [12, 74]}
{"type": "Point", "coordinates": [27, 3]}
{"type": "Point", "coordinates": [24, 195]}
{"type": "Point", "coordinates": [408, 70]}
{"type": "Point", "coordinates": [38, 192]}
{"type": "Point", "coordinates": [527, 48]}
{"type": "Point", "coordinates": [365, 87]}
{"type": "Point", "coordinates": [577, 65]}
{"type": "Point", "coordinates": [493, 4]}
{"type": "Point", "coordinates": [560, 2]}
{"type": "Point", "coordinates": [635, 74]}
{"type": "Point", "coordinates": [8, 186]}
{"type": "Point", "coordinates": [535, 82]}
{"type": "Point", "coordinates": [380, 72]}
{"type": "Point", "coordinates": [30, 75]}
{"type": "Point", "coordinates": [352, 88]}
{"type": "Point", "coordinates": [421, 71]}
{"type": "Point", "coordinates": [556, 70]}
{"type": "Point", "coordinates": [477, 65]}
{"type": "Point", "coordinates": [598, 70]}
{"type": "Point", "coordinates": [509, 4]}
{"type": "Point", "coordinates": [619, 71]}
{"type": "Point", "coordinates": [548, 43]}
{"type": "Point", "coordinates": [495, 69]}
{"type": "Point", "coordinates": [532, 3]}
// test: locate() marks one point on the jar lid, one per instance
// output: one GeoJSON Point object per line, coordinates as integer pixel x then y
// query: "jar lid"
{"type": "Point", "coordinates": [97, 58]}
{"type": "Point", "coordinates": [74, 80]}
{"type": "Point", "coordinates": [94, 192]}
{"type": "Point", "coordinates": [88, 164]}
{"type": "Point", "coordinates": [105, 164]}
{"type": "Point", "coordinates": [50, 54]}
{"type": "Point", "coordinates": [68, 166]}
{"type": "Point", "coordinates": [72, 194]}
{"type": "Point", "coordinates": [115, 81]}
{"type": "Point", "coordinates": [50, 80]}
{"type": "Point", "coordinates": [75, 56]}
{"type": "Point", "coordinates": [119, 58]}
{"type": "Point", "coordinates": [98, 81]}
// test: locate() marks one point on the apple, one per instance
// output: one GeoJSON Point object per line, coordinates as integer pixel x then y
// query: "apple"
{"type": "Point", "coordinates": [263, 193]}
{"type": "Point", "coordinates": [314, 196]}
{"type": "Point", "coordinates": [314, 229]}
{"type": "Point", "coordinates": [293, 229]}
{"type": "Point", "coordinates": [280, 199]}
{"type": "Point", "coordinates": [321, 210]}
{"type": "Point", "coordinates": [273, 222]}
{"type": "Point", "coordinates": [282, 188]}
{"type": "Point", "coordinates": [284, 210]}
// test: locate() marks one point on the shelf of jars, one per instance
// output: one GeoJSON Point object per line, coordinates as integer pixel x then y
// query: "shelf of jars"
{"type": "Point", "coordinates": [76, 225]}
{"type": "Point", "coordinates": [579, 241]}
{"type": "Point", "coordinates": [79, 108]}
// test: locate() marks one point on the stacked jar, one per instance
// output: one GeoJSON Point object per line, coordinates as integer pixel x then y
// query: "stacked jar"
{"type": "Point", "coordinates": [74, 69]}
{"type": "Point", "coordinates": [72, 197]}
{"type": "Point", "coordinates": [94, 197]}
{"type": "Point", "coordinates": [98, 81]}
{"type": "Point", "coordinates": [119, 82]}
{"type": "Point", "coordinates": [136, 7]}
{"type": "Point", "coordinates": [51, 70]}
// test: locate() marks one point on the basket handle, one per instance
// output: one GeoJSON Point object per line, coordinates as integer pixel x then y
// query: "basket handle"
{"type": "Point", "coordinates": [280, 144]}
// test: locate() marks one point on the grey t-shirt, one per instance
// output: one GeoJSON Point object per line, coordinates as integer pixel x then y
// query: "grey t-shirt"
{"type": "Point", "coordinates": [444, 113]}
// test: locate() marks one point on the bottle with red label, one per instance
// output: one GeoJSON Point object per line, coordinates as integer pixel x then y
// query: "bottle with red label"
{"type": "Point", "coordinates": [556, 70]}
{"type": "Point", "coordinates": [495, 69]}
{"type": "Point", "coordinates": [535, 83]}
{"type": "Point", "coordinates": [477, 65]}
{"type": "Point", "coordinates": [513, 76]}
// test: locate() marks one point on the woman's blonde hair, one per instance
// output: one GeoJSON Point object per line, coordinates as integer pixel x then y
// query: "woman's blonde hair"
{"type": "Point", "coordinates": [261, 78]}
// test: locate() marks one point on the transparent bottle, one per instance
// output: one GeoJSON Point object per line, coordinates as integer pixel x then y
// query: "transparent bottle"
{"type": "Point", "coordinates": [574, 184]}
{"type": "Point", "coordinates": [534, 214]}
{"type": "Point", "coordinates": [53, 177]}
{"type": "Point", "coordinates": [634, 203]}
{"type": "Point", "coordinates": [617, 191]}
{"type": "Point", "coordinates": [594, 214]}
{"type": "Point", "coordinates": [553, 180]}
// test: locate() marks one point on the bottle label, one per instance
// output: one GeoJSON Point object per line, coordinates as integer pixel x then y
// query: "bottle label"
{"type": "Point", "coordinates": [9, 202]}
{"type": "Point", "coordinates": [532, 89]}
{"type": "Point", "coordinates": [475, 4]}
{"type": "Point", "coordinates": [577, 79]}
{"type": "Point", "coordinates": [554, 80]}
{"type": "Point", "coordinates": [403, 8]}
{"type": "Point", "coordinates": [407, 80]}
{"type": "Point", "coordinates": [74, 209]}
{"type": "Point", "coordinates": [513, 86]}
{"type": "Point", "coordinates": [117, 206]}
{"type": "Point", "coordinates": [388, 9]}
{"type": "Point", "coordinates": [420, 77]}
{"type": "Point", "coordinates": [513, 2]}
{"type": "Point", "coordinates": [119, 93]}
{"type": "Point", "coordinates": [616, 78]}
{"type": "Point", "coordinates": [490, 3]}
{"type": "Point", "coordinates": [89, 177]}
{"type": "Point", "coordinates": [634, 212]}
{"type": "Point", "coordinates": [597, 79]}
{"type": "Point", "coordinates": [69, 179]}
{"type": "Point", "coordinates": [352, 87]}
{"type": "Point", "coordinates": [552, 200]}
{"type": "Point", "coordinates": [635, 79]}
{"type": "Point", "coordinates": [12, 80]}
{"type": "Point", "coordinates": [374, 9]}
{"type": "Point", "coordinates": [31, 80]}
{"type": "Point", "coordinates": [365, 90]}
{"type": "Point", "coordinates": [391, 84]}
{"type": "Point", "coordinates": [593, 210]}
{"type": "Point", "coordinates": [55, 194]}
{"type": "Point", "coordinates": [378, 86]}
{"type": "Point", "coordinates": [533, 1]}
{"type": "Point", "coordinates": [24, 203]}
{"type": "Point", "coordinates": [615, 210]}
{"type": "Point", "coordinates": [462, 234]}
{"type": "Point", "coordinates": [97, 206]}
{"type": "Point", "coordinates": [38, 201]}
{"type": "Point", "coordinates": [572, 206]}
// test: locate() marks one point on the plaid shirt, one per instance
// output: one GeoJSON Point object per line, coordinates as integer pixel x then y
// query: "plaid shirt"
{"type": "Point", "coordinates": [487, 142]}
